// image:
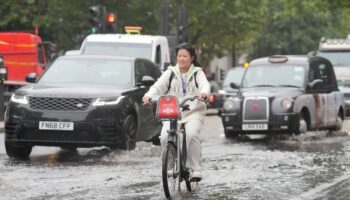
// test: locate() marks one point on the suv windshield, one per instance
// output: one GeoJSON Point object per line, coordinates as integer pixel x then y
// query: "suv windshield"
{"type": "Point", "coordinates": [337, 58]}
{"type": "Point", "coordinates": [276, 75]}
{"type": "Point", "coordinates": [118, 49]}
{"type": "Point", "coordinates": [89, 71]}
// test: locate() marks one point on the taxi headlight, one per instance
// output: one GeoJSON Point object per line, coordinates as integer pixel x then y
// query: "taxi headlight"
{"type": "Point", "coordinates": [286, 103]}
{"type": "Point", "coordinates": [20, 99]}
{"type": "Point", "coordinates": [229, 104]}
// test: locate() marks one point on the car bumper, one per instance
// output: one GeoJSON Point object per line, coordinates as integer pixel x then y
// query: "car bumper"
{"type": "Point", "coordinates": [94, 128]}
{"type": "Point", "coordinates": [277, 123]}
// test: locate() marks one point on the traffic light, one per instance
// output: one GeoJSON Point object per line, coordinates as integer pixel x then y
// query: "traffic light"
{"type": "Point", "coordinates": [111, 23]}
{"type": "Point", "coordinates": [222, 74]}
{"type": "Point", "coordinates": [181, 35]}
{"type": "Point", "coordinates": [96, 19]}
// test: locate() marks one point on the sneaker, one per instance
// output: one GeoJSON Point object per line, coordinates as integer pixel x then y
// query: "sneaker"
{"type": "Point", "coordinates": [196, 176]}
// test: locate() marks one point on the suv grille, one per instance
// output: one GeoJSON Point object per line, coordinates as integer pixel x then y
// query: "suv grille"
{"type": "Point", "coordinates": [65, 104]}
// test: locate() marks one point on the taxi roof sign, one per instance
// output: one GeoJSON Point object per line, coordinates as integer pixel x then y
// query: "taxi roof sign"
{"type": "Point", "coordinates": [278, 59]}
{"type": "Point", "coordinates": [133, 29]}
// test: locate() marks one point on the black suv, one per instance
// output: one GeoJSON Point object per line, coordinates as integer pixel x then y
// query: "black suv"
{"type": "Point", "coordinates": [83, 101]}
{"type": "Point", "coordinates": [285, 94]}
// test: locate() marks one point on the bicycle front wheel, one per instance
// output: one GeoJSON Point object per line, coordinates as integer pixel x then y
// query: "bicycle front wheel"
{"type": "Point", "coordinates": [170, 170]}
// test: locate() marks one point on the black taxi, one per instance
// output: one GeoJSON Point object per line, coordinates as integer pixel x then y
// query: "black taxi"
{"type": "Point", "coordinates": [285, 94]}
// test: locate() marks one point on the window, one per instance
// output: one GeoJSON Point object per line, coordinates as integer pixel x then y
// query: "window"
{"type": "Point", "coordinates": [158, 56]}
{"type": "Point", "coordinates": [140, 70]}
{"type": "Point", "coordinates": [320, 69]}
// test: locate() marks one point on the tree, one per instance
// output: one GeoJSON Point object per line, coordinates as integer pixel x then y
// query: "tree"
{"type": "Point", "coordinates": [295, 27]}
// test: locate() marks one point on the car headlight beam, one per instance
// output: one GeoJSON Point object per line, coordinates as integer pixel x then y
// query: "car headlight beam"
{"type": "Point", "coordinates": [105, 101]}
{"type": "Point", "coordinates": [20, 99]}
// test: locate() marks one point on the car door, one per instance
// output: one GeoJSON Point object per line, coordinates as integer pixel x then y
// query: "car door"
{"type": "Point", "coordinates": [325, 98]}
{"type": "Point", "coordinates": [146, 116]}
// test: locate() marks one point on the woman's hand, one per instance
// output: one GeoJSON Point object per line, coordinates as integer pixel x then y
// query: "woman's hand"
{"type": "Point", "coordinates": [146, 100]}
{"type": "Point", "coordinates": [203, 96]}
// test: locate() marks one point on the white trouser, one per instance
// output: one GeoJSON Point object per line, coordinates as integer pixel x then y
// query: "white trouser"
{"type": "Point", "coordinates": [194, 150]}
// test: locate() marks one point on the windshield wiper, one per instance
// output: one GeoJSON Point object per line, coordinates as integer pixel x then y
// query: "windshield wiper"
{"type": "Point", "coordinates": [287, 85]}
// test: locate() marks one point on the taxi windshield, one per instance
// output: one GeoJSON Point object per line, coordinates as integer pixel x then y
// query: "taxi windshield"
{"type": "Point", "coordinates": [274, 75]}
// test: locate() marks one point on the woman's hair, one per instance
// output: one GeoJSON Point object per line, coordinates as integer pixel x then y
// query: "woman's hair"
{"type": "Point", "coordinates": [191, 50]}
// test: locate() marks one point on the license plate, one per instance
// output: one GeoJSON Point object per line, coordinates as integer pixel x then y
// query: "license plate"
{"type": "Point", "coordinates": [62, 126]}
{"type": "Point", "coordinates": [252, 127]}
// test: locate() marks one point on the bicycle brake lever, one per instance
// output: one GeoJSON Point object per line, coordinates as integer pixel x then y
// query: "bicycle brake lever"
{"type": "Point", "coordinates": [185, 107]}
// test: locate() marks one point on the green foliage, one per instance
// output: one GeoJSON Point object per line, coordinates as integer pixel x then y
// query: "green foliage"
{"type": "Point", "coordinates": [258, 27]}
{"type": "Point", "coordinates": [295, 27]}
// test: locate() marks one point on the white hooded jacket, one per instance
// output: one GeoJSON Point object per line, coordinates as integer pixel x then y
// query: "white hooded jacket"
{"type": "Point", "coordinates": [197, 107]}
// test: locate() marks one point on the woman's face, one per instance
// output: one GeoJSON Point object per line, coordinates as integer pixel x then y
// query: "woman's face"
{"type": "Point", "coordinates": [184, 59]}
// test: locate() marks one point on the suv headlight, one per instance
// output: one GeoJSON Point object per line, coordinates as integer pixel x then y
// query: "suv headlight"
{"type": "Point", "coordinates": [286, 103]}
{"type": "Point", "coordinates": [20, 99]}
{"type": "Point", "coordinates": [105, 101]}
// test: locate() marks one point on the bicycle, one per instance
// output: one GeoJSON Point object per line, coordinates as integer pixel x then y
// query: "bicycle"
{"type": "Point", "coordinates": [174, 169]}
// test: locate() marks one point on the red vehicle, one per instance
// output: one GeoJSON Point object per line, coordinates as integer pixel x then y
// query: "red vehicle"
{"type": "Point", "coordinates": [22, 53]}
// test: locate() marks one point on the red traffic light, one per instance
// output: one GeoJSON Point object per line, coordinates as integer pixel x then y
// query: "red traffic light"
{"type": "Point", "coordinates": [111, 18]}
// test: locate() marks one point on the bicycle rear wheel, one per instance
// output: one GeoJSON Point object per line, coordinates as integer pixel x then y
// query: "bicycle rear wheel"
{"type": "Point", "coordinates": [170, 172]}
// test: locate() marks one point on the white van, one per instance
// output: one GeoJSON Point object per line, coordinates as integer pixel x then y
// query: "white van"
{"type": "Point", "coordinates": [154, 48]}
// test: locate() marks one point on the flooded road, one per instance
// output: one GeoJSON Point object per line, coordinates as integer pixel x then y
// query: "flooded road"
{"type": "Point", "coordinates": [311, 166]}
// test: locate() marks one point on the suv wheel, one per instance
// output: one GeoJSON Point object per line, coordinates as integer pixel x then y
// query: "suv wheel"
{"type": "Point", "coordinates": [17, 151]}
{"type": "Point", "coordinates": [129, 134]}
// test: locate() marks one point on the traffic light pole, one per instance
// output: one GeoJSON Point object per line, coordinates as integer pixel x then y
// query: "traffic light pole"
{"type": "Point", "coordinates": [182, 25]}
{"type": "Point", "coordinates": [165, 21]}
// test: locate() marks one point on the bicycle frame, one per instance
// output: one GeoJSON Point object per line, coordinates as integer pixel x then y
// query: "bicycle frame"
{"type": "Point", "coordinates": [168, 109]}
{"type": "Point", "coordinates": [175, 134]}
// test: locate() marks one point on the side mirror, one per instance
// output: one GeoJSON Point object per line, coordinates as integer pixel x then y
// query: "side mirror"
{"type": "Point", "coordinates": [311, 53]}
{"type": "Point", "coordinates": [315, 83]}
{"type": "Point", "coordinates": [147, 81]}
{"type": "Point", "coordinates": [234, 85]}
{"type": "Point", "coordinates": [31, 78]}
{"type": "Point", "coordinates": [166, 65]}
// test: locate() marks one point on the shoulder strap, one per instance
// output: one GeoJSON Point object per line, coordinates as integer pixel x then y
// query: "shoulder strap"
{"type": "Point", "coordinates": [170, 79]}
{"type": "Point", "coordinates": [195, 78]}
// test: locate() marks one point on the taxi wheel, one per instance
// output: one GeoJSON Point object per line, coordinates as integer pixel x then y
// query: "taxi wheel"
{"type": "Point", "coordinates": [129, 134]}
{"type": "Point", "coordinates": [231, 134]}
{"type": "Point", "coordinates": [338, 125]}
{"type": "Point", "coordinates": [17, 151]}
{"type": "Point", "coordinates": [302, 125]}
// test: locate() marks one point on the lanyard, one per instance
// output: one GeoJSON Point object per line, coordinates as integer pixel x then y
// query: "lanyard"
{"type": "Point", "coordinates": [183, 86]}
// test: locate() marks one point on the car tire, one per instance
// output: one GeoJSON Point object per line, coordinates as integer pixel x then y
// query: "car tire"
{"type": "Point", "coordinates": [338, 124]}
{"type": "Point", "coordinates": [17, 151]}
{"type": "Point", "coordinates": [156, 140]}
{"type": "Point", "coordinates": [72, 149]}
{"type": "Point", "coordinates": [129, 133]}
{"type": "Point", "coordinates": [302, 125]}
{"type": "Point", "coordinates": [231, 134]}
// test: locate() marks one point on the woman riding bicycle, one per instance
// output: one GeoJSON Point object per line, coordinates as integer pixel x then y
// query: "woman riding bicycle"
{"type": "Point", "coordinates": [185, 79]}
